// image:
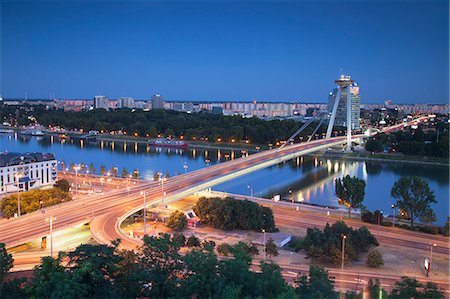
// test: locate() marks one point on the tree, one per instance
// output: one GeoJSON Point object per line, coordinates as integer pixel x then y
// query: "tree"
{"type": "Point", "coordinates": [124, 172]}
{"type": "Point", "coordinates": [317, 285]}
{"type": "Point", "coordinates": [411, 288]}
{"type": "Point", "coordinates": [350, 191]}
{"type": "Point", "coordinates": [193, 241]}
{"type": "Point", "coordinates": [224, 249]}
{"type": "Point", "coordinates": [102, 169]}
{"type": "Point", "coordinates": [179, 238]}
{"type": "Point", "coordinates": [162, 266]}
{"type": "Point", "coordinates": [135, 174]}
{"type": "Point", "coordinates": [114, 171]}
{"type": "Point", "coordinates": [63, 185]}
{"type": "Point", "coordinates": [373, 145]}
{"type": "Point", "coordinates": [92, 168]}
{"type": "Point", "coordinates": [414, 197]}
{"type": "Point", "coordinates": [6, 263]}
{"type": "Point", "coordinates": [374, 289]}
{"type": "Point", "coordinates": [177, 220]}
{"type": "Point", "coordinates": [271, 248]}
{"type": "Point", "coordinates": [374, 259]}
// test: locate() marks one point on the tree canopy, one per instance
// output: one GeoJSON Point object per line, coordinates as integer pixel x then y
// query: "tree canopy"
{"type": "Point", "coordinates": [415, 198]}
{"type": "Point", "coordinates": [350, 191]}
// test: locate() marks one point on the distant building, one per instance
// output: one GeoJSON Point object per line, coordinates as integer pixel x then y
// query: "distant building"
{"type": "Point", "coordinates": [157, 102]}
{"type": "Point", "coordinates": [341, 114]}
{"type": "Point", "coordinates": [125, 102]}
{"type": "Point", "coordinates": [101, 102]}
{"type": "Point", "coordinates": [217, 110]}
{"type": "Point", "coordinates": [23, 172]}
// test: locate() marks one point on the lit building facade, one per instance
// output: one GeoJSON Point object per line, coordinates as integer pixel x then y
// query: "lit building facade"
{"type": "Point", "coordinates": [23, 172]}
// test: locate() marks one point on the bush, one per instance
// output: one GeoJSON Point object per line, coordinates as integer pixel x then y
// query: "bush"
{"type": "Point", "coordinates": [177, 221]}
{"type": "Point", "coordinates": [374, 259]}
{"type": "Point", "coordinates": [296, 244]}
{"type": "Point", "coordinates": [193, 241]}
{"type": "Point", "coordinates": [179, 238]}
{"type": "Point", "coordinates": [30, 201]}
{"type": "Point", "coordinates": [224, 249]}
{"type": "Point", "coordinates": [229, 213]}
{"type": "Point", "coordinates": [63, 185]}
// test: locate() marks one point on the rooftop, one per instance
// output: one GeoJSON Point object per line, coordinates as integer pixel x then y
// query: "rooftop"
{"type": "Point", "coordinates": [10, 159]}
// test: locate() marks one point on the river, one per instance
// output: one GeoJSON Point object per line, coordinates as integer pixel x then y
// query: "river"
{"type": "Point", "coordinates": [308, 179]}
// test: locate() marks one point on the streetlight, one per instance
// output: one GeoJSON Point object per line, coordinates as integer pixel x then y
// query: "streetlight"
{"type": "Point", "coordinates": [431, 257]}
{"type": "Point", "coordinates": [264, 242]}
{"type": "Point", "coordinates": [145, 212]}
{"type": "Point", "coordinates": [393, 206]}
{"type": "Point", "coordinates": [251, 190]}
{"type": "Point", "coordinates": [76, 168]}
{"type": "Point", "coordinates": [18, 176]}
{"type": "Point", "coordinates": [50, 220]}
{"type": "Point", "coordinates": [343, 251]}
{"type": "Point", "coordinates": [162, 179]}
{"type": "Point", "coordinates": [207, 162]}
{"type": "Point", "coordinates": [380, 213]}
{"type": "Point", "coordinates": [185, 166]}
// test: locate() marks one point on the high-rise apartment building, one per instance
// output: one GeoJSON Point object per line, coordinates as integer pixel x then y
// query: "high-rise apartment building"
{"type": "Point", "coordinates": [157, 102]}
{"type": "Point", "coordinates": [125, 102]}
{"type": "Point", "coordinates": [101, 102]}
{"type": "Point", "coordinates": [341, 113]}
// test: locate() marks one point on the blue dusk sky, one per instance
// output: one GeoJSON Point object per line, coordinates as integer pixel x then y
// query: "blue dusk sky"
{"type": "Point", "coordinates": [225, 50]}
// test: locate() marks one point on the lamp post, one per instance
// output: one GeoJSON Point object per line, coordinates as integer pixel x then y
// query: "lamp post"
{"type": "Point", "coordinates": [50, 220]}
{"type": "Point", "coordinates": [379, 220]}
{"type": "Point", "coordinates": [343, 251]}
{"type": "Point", "coordinates": [18, 176]}
{"type": "Point", "coordinates": [185, 166]}
{"type": "Point", "coordinates": [162, 179]}
{"type": "Point", "coordinates": [76, 168]}
{"type": "Point", "coordinates": [145, 212]}
{"type": "Point", "coordinates": [251, 190]}
{"type": "Point", "coordinates": [431, 256]}
{"type": "Point", "coordinates": [393, 206]}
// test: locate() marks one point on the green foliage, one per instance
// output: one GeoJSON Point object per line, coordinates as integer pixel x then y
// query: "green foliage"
{"type": "Point", "coordinates": [125, 172]}
{"type": "Point", "coordinates": [92, 168]}
{"type": "Point", "coordinates": [30, 200]}
{"type": "Point", "coordinates": [411, 288]}
{"type": "Point", "coordinates": [63, 185]}
{"type": "Point", "coordinates": [179, 238]}
{"type": "Point", "coordinates": [374, 259]}
{"type": "Point", "coordinates": [224, 249]}
{"type": "Point", "coordinates": [193, 241]}
{"type": "Point", "coordinates": [350, 191]}
{"type": "Point", "coordinates": [446, 227]}
{"type": "Point", "coordinates": [271, 248]}
{"type": "Point", "coordinates": [374, 289]}
{"type": "Point", "coordinates": [177, 220]}
{"type": "Point", "coordinates": [102, 169]}
{"type": "Point", "coordinates": [6, 263]}
{"type": "Point", "coordinates": [229, 213]}
{"type": "Point", "coordinates": [326, 245]}
{"type": "Point", "coordinates": [317, 285]}
{"type": "Point", "coordinates": [414, 197]}
{"type": "Point", "coordinates": [373, 145]}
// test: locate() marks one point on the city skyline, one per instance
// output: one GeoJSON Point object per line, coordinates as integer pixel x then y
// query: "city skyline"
{"type": "Point", "coordinates": [209, 51]}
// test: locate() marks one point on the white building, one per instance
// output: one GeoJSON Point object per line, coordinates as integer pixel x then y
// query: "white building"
{"type": "Point", "coordinates": [101, 102]}
{"type": "Point", "coordinates": [125, 102]}
{"type": "Point", "coordinates": [23, 172]}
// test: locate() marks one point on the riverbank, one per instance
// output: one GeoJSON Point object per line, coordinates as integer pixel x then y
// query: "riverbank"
{"type": "Point", "coordinates": [386, 158]}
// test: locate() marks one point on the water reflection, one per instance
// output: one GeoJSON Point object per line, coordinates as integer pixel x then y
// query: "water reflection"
{"type": "Point", "coordinates": [310, 178]}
